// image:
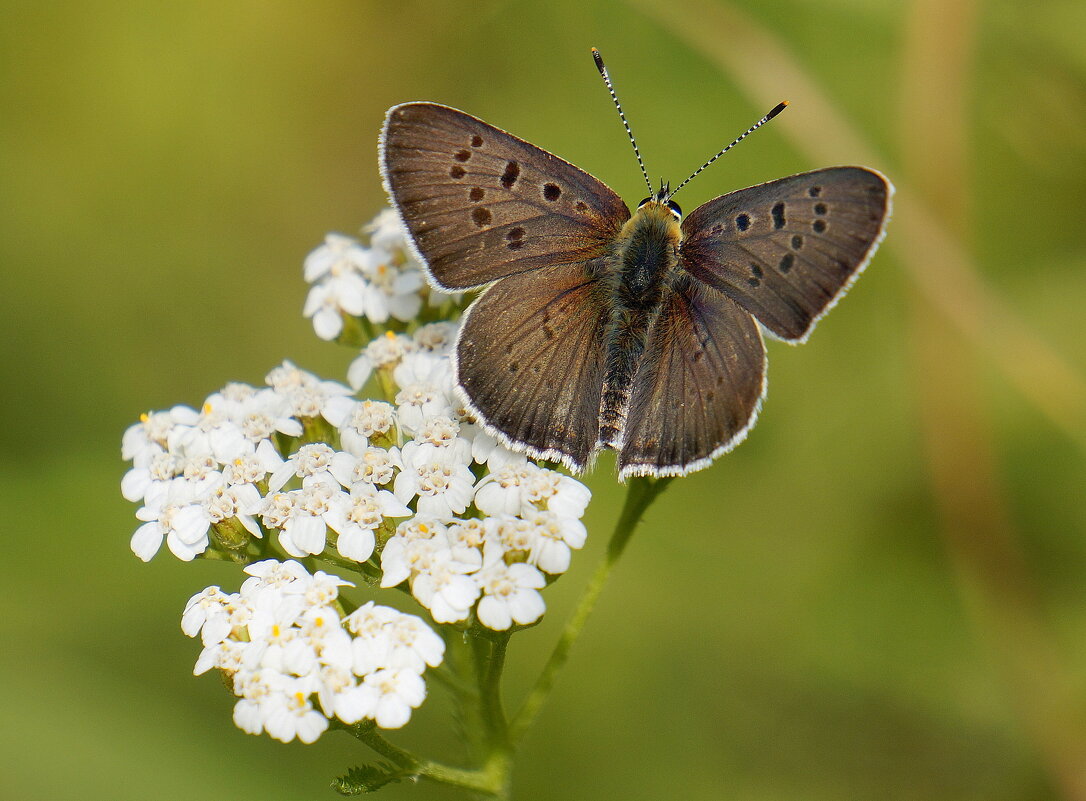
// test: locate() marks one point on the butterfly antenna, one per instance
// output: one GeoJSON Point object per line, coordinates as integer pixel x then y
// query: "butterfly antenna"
{"type": "Point", "coordinates": [776, 110]}
{"type": "Point", "coordinates": [611, 88]}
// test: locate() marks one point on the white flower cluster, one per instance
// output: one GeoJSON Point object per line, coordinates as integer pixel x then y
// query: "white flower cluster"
{"type": "Point", "coordinates": [412, 492]}
{"type": "Point", "coordinates": [416, 488]}
{"type": "Point", "coordinates": [377, 281]}
{"type": "Point", "coordinates": [283, 639]}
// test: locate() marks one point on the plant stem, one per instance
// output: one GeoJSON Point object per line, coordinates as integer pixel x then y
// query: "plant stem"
{"type": "Point", "coordinates": [490, 779]}
{"type": "Point", "coordinates": [640, 495]}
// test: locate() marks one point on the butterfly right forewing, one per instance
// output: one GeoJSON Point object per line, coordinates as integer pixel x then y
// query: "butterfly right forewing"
{"type": "Point", "coordinates": [481, 204]}
{"type": "Point", "coordinates": [788, 249]}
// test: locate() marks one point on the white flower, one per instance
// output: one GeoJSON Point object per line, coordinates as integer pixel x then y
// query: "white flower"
{"type": "Point", "coordinates": [273, 574]}
{"type": "Point", "coordinates": [485, 449]}
{"type": "Point", "coordinates": [391, 695]}
{"type": "Point", "coordinates": [371, 466]}
{"type": "Point", "coordinates": [391, 292]}
{"type": "Point", "coordinates": [444, 490]}
{"type": "Point", "coordinates": [267, 411]}
{"type": "Point", "coordinates": [418, 401]}
{"type": "Point", "coordinates": [286, 378]}
{"type": "Point", "coordinates": [153, 431]}
{"type": "Point", "coordinates": [326, 399]}
{"type": "Point", "coordinates": [416, 544]}
{"type": "Point", "coordinates": [566, 496]}
{"type": "Point", "coordinates": [367, 420]}
{"type": "Point", "coordinates": [172, 510]}
{"type": "Point", "coordinates": [502, 491]}
{"type": "Point", "coordinates": [289, 715]}
{"type": "Point", "coordinates": [555, 536]}
{"type": "Point", "coordinates": [510, 595]}
{"type": "Point", "coordinates": [446, 590]}
{"type": "Point", "coordinates": [339, 255]}
{"type": "Point", "coordinates": [311, 463]}
{"type": "Point", "coordinates": [227, 502]}
{"type": "Point", "coordinates": [384, 352]}
{"type": "Point", "coordinates": [438, 440]}
{"type": "Point", "coordinates": [386, 231]}
{"type": "Point", "coordinates": [151, 466]}
{"type": "Point", "coordinates": [302, 517]}
{"type": "Point", "coordinates": [412, 644]}
{"type": "Point", "coordinates": [437, 338]}
{"type": "Point", "coordinates": [252, 465]}
{"type": "Point", "coordinates": [336, 267]}
{"type": "Point", "coordinates": [207, 613]}
{"type": "Point", "coordinates": [354, 518]}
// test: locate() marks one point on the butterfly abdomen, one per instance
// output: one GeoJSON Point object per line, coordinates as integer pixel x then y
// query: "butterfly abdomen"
{"type": "Point", "coordinates": [644, 255]}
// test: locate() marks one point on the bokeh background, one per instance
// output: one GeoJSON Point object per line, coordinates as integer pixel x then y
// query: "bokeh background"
{"type": "Point", "coordinates": [881, 594]}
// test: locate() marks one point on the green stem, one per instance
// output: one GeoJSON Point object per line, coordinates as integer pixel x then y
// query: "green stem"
{"type": "Point", "coordinates": [490, 779]}
{"type": "Point", "coordinates": [490, 663]}
{"type": "Point", "coordinates": [640, 495]}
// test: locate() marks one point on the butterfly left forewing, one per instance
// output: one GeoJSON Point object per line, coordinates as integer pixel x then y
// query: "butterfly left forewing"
{"type": "Point", "coordinates": [699, 386]}
{"type": "Point", "coordinates": [481, 204]}
{"type": "Point", "coordinates": [788, 249]}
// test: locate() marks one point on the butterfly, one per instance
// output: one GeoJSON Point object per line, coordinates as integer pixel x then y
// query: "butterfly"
{"type": "Point", "coordinates": [601, 328]}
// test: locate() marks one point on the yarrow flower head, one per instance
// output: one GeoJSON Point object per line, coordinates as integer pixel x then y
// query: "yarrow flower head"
{"type": "Point", "coordinates": [406, 489]}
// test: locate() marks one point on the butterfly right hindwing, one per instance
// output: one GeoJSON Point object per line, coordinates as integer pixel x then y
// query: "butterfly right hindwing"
{"type": "Point", "coordinates": [699, 387]}
{"type": "Point", "coordinates": [481, 204]}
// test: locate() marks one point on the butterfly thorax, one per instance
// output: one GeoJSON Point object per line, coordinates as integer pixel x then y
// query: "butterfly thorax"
{"type": "Point", "coordinates": [643, 260]}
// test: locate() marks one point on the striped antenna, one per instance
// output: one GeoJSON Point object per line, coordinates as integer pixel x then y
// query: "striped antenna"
{"type": "Point", "coordinates": [610, 88]}
{"type": "Point", "coordinates": [776, 110]}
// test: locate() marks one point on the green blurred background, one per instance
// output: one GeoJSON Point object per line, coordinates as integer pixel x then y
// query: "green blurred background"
{"type": "Point", "coordinates": [880, 595]}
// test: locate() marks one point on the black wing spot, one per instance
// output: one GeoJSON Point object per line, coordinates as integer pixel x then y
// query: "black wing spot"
{"type": "Point", "coordinates": [778, 216]}
{"type": "Point", "coordinates": [513, 367]}
{"type": "Point", "coordinates": [819, 226]}
{"type": "Point", "coordinates": [476, 141]}
{"type": "Point", "coordinates": [797, 242]}
{"type": "Point", "coordinates": [552, 192]}
{"type": "Point", "coordinates": [548, 332]}
{"type": "Point", "coordinates": [515, 234]}
{"type": "Point", "coordinates": [742, 222]}
{"type": "Point", "coordinates": [755, 270]}
{"type": "Point", "coordinates": [814, 191]}
{"type": "Point", "coordinates": [516, 244]}
{"type": "Point", "coordinates": [462, 155]}
{"type": "Point", "coordinates": [581, 206]}
{"type": "Point", "coordinates": [481, 216]}
{"type": "Point", "coordinates": [820, 209]}
{"type": "Point", "coordinates": [512, 172]}
{"type": "Point", "coordinates": [787, 260]}
{"type": "Point", "coordinates": [476, 193]}
{"type": "Point", "coordinates": [457, 172]}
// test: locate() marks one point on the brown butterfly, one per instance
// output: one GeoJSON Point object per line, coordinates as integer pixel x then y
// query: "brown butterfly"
{"type": "Point", "coordinates": [601, 329]}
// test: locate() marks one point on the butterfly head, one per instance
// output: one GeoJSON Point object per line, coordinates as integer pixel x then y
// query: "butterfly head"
{"type": "Point", "coordinates": [662, 198]}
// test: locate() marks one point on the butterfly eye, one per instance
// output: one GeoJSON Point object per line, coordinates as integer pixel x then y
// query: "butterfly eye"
{"type": "Point", "coordinates": [671, 204]}
{"type": "Point", "coordinates": [643, 202]}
